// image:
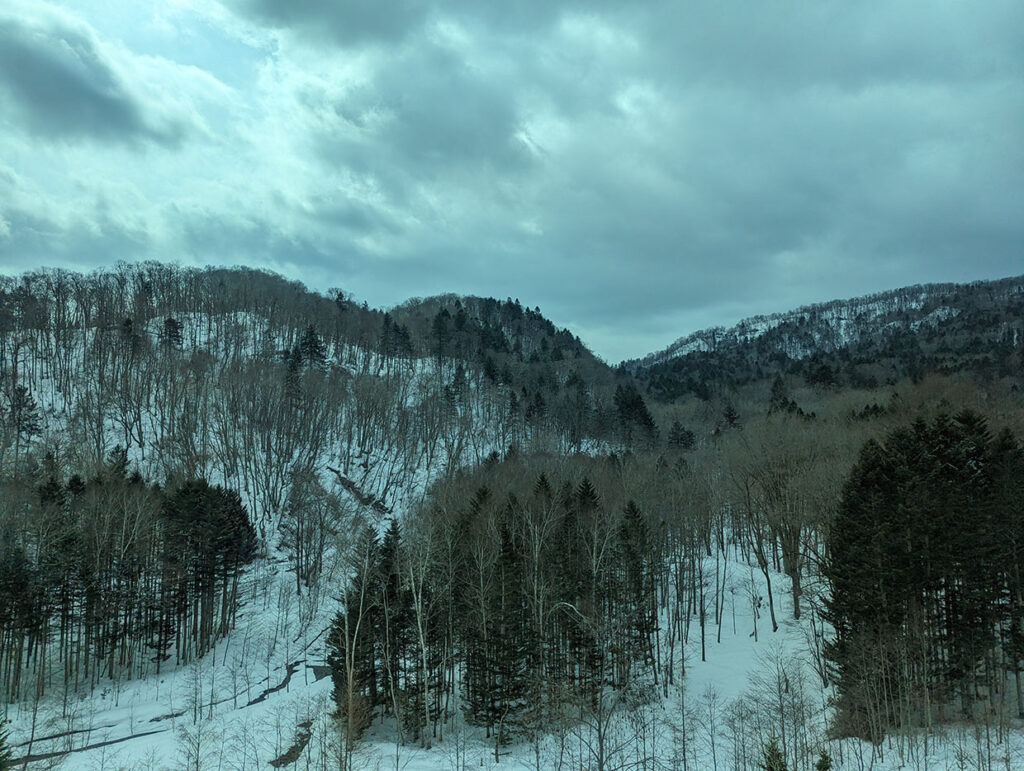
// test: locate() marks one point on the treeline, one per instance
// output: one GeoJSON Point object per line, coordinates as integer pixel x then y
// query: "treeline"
{"type": "Point", "coordinates": [530, 600]}
{"type": "Point", "coordinates": [860, 343]}
{"type": "Point", "coordinates": [534, 593]}
{"type": "Point", "coordinates": [925, 565]}
{"type": "Point", "coordinates": [108, 577]}
{"type": "Point", "coordinates": [241, 373]}
{"type": "Point", "coordinates": [305, 406]}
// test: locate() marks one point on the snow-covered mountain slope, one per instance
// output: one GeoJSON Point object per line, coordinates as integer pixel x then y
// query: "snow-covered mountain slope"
{"type": "Point", "coordinates": [933, 326]}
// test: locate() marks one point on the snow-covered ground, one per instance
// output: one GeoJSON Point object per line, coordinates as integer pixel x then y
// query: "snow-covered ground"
{"type": "Point", "coordinates": [261, 700]}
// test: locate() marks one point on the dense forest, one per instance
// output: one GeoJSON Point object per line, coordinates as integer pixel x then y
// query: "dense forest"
{"type": "Point", "coordinates": [476, 525]}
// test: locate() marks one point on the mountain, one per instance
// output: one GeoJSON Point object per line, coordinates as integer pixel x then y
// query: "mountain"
{"type": "Point", "coordinates": [865, 341]}
{"type": "Point", "coordinates": [243, 523]}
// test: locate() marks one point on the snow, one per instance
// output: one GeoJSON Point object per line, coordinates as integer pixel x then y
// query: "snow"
{"type": "Point", "coordinates": [239, 708]}
{"type": "Point", "coordinates": [246, 703]}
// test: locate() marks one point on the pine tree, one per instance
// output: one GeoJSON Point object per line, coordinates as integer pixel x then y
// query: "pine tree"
{"type": "Point", "coordinates": [680, 438]}
{"type": "Point", "coordinates": [634, 415]}
{"type": "Point", "coordinates": [292, 375]}
{"type": "Point", "coordinates": [171, 333]}
{"type": "Point", "coordinates": [824, 761]}
{"type": "Point", "coordinates": [638, 564]}
{"type": "Point", "coordinates": [394, 622]}
{"type": "Point", "coordinates": [918, 570]}
{"type": "Point", "coordinates": [24, 416]}
{"type": "Point", "coordinates": [772, 758]}
{"type": "Point", "coordinates": [313, 349]}
{"type": "Point", "coordinates": [442, 333]}
{"type": "Point", "coordinates": [731, 416]}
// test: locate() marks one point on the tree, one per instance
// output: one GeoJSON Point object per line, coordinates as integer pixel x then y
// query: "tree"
{"type": "Point", "coordinates": [351, 652]}
{"type": "Point", "coordinates": [23, 415]}
{"type": "Point", "coordinates": [917, 567]}
{"type": "Point", "coordinates": [5, 750]}
{"type": "Point", "coordinates": [312, 348]}
{"type": "Point", "coordinates": [680, 438]}
{"type": "Point", "coordinates": [824, 761]}
{"type": "Point", "coordinates": [634, 415]}
{"type": "Point", "coordinates": [171, 333]}
{"type": "Point", "coordinates": [772, 758]}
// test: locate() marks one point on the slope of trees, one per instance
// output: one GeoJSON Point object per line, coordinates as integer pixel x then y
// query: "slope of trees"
{"type": "Point", "coordinates": [531, 598]}
{"type": "Point", "coordinates": [924, 566]}
{"type": "Point", "coordinates": [862, 342]}
{"type": "Point", "coordinates": [529, 538]}
{"type": "Point", "coordinates": [109, 577]}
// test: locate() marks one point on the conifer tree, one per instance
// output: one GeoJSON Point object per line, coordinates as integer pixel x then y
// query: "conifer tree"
{"type": "Point", "coordinates": [772, 758]}
{"type": "Point", "coordinates": [171, 333]}
{"type": "Point", "coordinates": [312, 348]}
{"type": "Point", "coordinates": [917, 567]}
{"type": "Point", "coordinates": [824, 761]}
{"type": "Point", "coordinates": [680, 438]}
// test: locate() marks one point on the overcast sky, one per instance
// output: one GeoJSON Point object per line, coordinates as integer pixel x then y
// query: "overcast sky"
{"type": "Point", "coordinates": [637, 169]}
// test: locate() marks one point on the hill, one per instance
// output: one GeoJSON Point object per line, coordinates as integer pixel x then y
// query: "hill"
{"type": "Point", "coordinates": [861, 342]}
{"type": "Point", "coordinates": [243, 523]}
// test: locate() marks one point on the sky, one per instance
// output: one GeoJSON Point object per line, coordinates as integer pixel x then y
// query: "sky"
{"type": "Point", "coordinates": [639, 170]}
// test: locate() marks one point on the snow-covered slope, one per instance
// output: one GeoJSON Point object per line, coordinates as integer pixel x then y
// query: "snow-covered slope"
{"type": "Point", "coordinates": [937, 319]}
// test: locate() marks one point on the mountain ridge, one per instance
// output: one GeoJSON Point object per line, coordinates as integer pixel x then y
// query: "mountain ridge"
{"type": "Point", "coordinates": [845, 335]}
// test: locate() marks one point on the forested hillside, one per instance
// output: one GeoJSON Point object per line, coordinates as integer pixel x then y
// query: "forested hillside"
{"type": "Point", "coordinates": [447, 535]}
{"type": "Point", "coordinates": [864, 342]}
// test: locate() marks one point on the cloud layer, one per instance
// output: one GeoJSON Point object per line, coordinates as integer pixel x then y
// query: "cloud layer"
{"type": "Point", "coordinates": [638, 170]}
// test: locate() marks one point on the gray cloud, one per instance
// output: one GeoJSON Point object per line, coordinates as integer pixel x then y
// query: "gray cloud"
{"type": "Point", "coordinates": [632, 168]}
{"type": "Point", "coordinates": [348, 23]}
{"type": "Point", "coordinates": [95, 238]}
{"type": "Point", "coordinates": [61, 87]}
{"type": "Point", "coordinates": [358, 22]}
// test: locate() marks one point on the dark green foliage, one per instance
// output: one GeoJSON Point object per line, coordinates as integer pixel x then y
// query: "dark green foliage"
{"type": "Point", "coordinates": [680, 438]}
{"type": "Point", "coordinates": [394, 339]}
{"type": "Point", "coordinates": [541, 596]}
{"type": "Point", "coordinates": [23, 413]}
{"type": "Point", "coordinates": [824, 761]}
{"type": "Point", "coordinates": [208, 540]}
{"type": "Point", "coordinates": [731, 416]}
{"type": "Point", "coordinates": [171, 333]}
{"type": "Point", "coordinates": [921, 569]}
{"type": "Point", "coordinates": [293, 374]}
{"type": "Point", "coordinates": [312, 348]}
{"type": "Point", "coordinates": [635, 419]}
{"type": "Point", "coordinates": [779, 400]}
{"type": "Point", "coordinates": [638, 590]}
{"type": "Point", "coordinates": [125, 575]}
{"type": "Point", "coordinates": [441, 327]}
{"type": "Point", "coordinates": [772, 758]}
{"type": "Point", "coordinates": [821, 375]}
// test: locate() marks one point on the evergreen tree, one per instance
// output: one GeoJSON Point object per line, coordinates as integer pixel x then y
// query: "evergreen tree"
{"type": "Point", "coordinates": [772, 758]}
{"type": "Point", "coordinates": [731, 416]}
{"type": "Point", "coordinates": [824, 761]}
{"type": "Point", "coordinates": [634, 417]}
{"type": "Point", "coordinates": [511, 643]}
{"type": "Point", "coordinates": [442, 332]}
{"type": "Point", "coordinates": [393, 627]}
{"type": "Point", "coordinates": [638, 561]}
{"type": "Point", "coordinates": [917, 566]}
{"type": "Point", "coordinates": [171, 333]}
{"type": "Point", "coordinates": [313, 349]}
{"type": "Point", "coordinates": [353, 641]}
{"type": "Point", "coordinates": [680, 438]}
{"type": "Point", "coordinates": [23, 414]}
